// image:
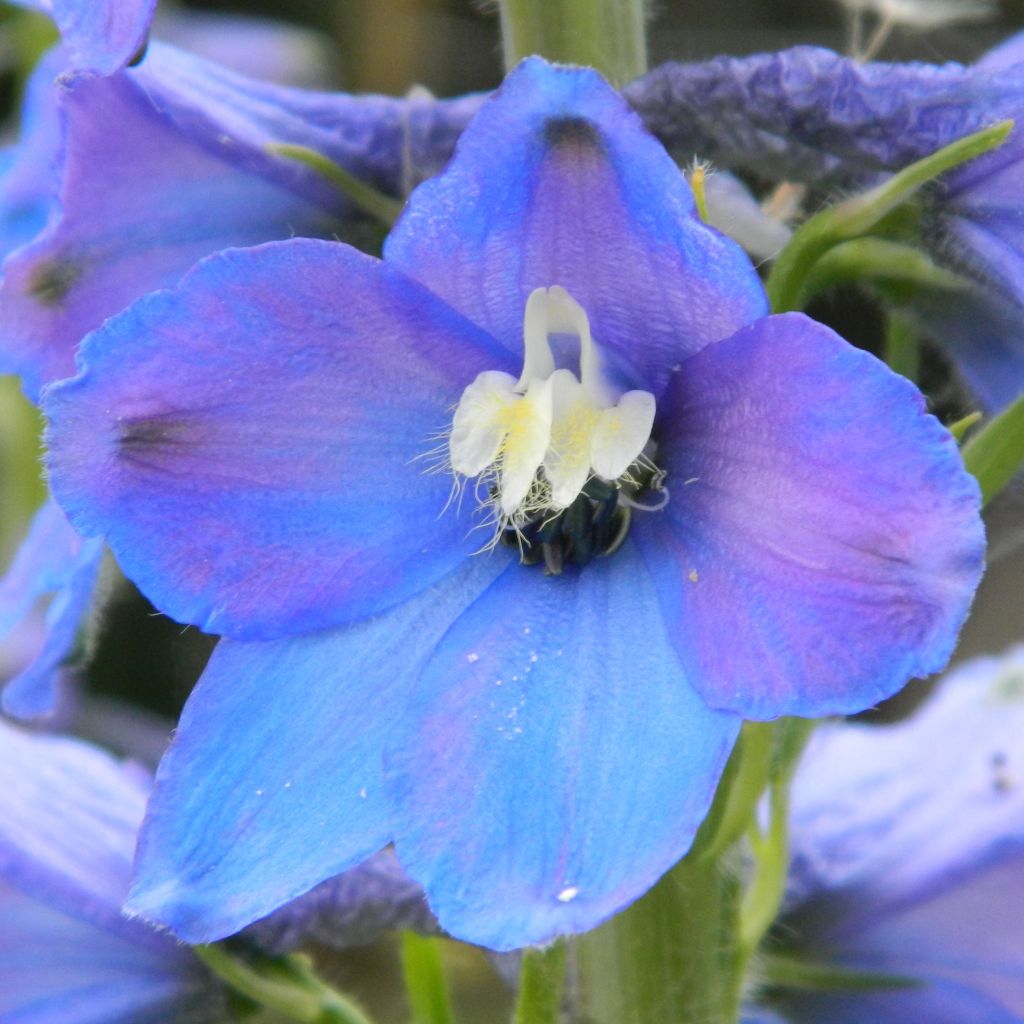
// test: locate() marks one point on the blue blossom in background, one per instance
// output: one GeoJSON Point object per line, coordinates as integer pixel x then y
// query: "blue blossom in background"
{"type": "Point", "coordinates": [264, 448]}
{"type": "Point", "coordinates": [68, 820]}
{"type": "Point", "coordinates": [55, 563]}
{"type": "Point", "coordinates": [908, 858]}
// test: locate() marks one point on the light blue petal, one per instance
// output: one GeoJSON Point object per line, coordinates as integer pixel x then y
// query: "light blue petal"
{"type": "Point", "coordinates": [100, 35]}
{"type": "Point", "coordinates": [822, 541]}
{"type": "Point", "coordinates": [256, 446]}
{"type": "Point", "coordinates": [55, 969]}
{"type": "Point", "coordinates": [556, 183]}
{"type": "Point", "coordinates": [554, 760]}
{"type": "Point", "coordinates": [909, 855]}
{"type": "Point", "coordinates": [273, 782]}
{"type": "Point", "coordinates": [892, 815]}
{"type": "Point", "coordinates": [52, 560]}
{"type": "Point", "coordinates": [69, 814]}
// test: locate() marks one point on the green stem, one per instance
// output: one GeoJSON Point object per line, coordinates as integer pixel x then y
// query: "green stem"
{"type": "Point", "coordinates": [669, 958]}
{"type": "Point", "coordinates": [996, 452]}
{"type": "Point", "coordinates": [287, 986]}
{"type": "Point", "coordinates": [606, 34]}
{"type": "Point", "coordinates": [424, 980]}
{"type": "Point", "coordinates": [541, 984]}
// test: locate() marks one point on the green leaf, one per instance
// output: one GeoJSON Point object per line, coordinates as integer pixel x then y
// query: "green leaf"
{"type": "Point", "coordinates": [996, 452]}
{"type": "Point", "coordinates": [425, 982]}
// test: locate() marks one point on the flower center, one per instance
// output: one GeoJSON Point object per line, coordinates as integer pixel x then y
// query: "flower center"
{"type": "Point", "coordinates": [557, 455]}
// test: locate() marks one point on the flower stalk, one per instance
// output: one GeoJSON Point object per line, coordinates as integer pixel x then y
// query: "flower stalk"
{"type": "Point", "coordinates": [606, 34]}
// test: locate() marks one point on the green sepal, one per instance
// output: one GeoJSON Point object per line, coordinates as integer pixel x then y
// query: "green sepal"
{"type": "Point", "coordinates": [287, 985]}
{"type": "Point", "coordinates": [861, 214]}
{"type": "Point", "coordinates": [365, 197]}
{"type": "Point", "coordinates": [779, 971]}
{"type": "Point", "coordinates": [995, 453]}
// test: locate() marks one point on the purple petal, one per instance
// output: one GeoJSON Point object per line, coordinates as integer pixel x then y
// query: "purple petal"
{"type": "Point", "coordinates": [808, 114]}
{"type": "Point", "coordinates": [100, 35]}
{"type": "Point", "coordinates": [253, 444]}
{"type": "Point", "coordinates": [522, 805]}
{"type": "Point", "coordinates": [351, 909]}
{"type": "Point", "coordinates": [164, 164]}
{"type": "Point", "coordinates": [273, 782]}
{"type": "Point", "coordinates": [556, 183]}
{"type": "Point", "coordinates": [53, 559]}
{"type": "Point", "coordinates": [822, 541]}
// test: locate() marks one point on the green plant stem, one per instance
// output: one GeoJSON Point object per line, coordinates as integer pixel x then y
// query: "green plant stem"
{"type": "Point", "coordinates": [541, 984]}
{"type": "Point", "coordinates": [669, 958]}
{"type": "Point", "coordinates": [287, 986]}
{"type": "Point", "coordinates": [425, 982]}
{"type": "Point", "coordinates": [606, 34]}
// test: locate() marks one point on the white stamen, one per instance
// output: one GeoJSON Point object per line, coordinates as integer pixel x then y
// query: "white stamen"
{"type": "Point", "coordinates": [574, 426]}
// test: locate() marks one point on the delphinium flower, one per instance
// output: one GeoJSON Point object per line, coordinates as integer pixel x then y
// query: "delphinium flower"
{"type": "Point", "coordinates": [908, 862]}
{"type": "Point", "coordinates": [542, 489]}
{"type": "Point", "coordinates": [69, 815]}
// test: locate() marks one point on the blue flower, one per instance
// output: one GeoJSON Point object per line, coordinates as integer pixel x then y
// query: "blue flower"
{"type": "Point", "coordinates": [164, 163]}
{"type": "Point", "coordinates": [909, 858]}
{"type": "Point", "coordinates": [68, 820]}
{"type": "Point", "coordinates": [797, 536]}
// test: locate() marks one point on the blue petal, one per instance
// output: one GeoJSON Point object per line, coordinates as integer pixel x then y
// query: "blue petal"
{"type": "Point", "coordinates": [554, 760]}
{"type": "Point", "coordinates": [162, 165]}
{"type": "Point", "coordinates": [28, 185]}
{"type": "Point", "coordinates": [982, 330]}
{"type": "Point", "coordinates": [254, 445]}
{"type": "Point", "coordinates": [556, 182]}
{"type": "Point", "coordinates": [822, 541]}
{"type": "Point", "coordinates": [100, 35]}
{"type": "Point", "coordinates": [273, 782]}
{"type": "Point", "coordinates": [52, 560]}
